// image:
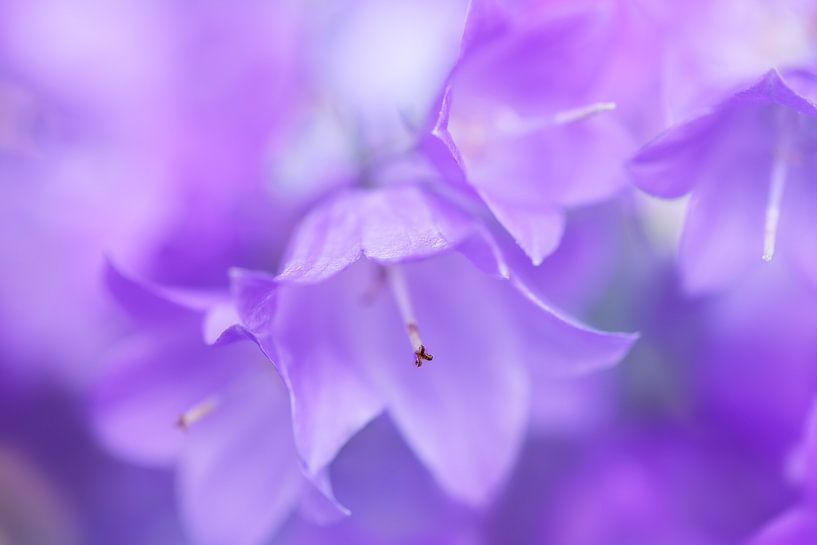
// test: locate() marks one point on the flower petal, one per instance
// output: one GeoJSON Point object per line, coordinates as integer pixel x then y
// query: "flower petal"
{"type": "Point", "coordinates": [671, 165]}
{"type": "Point", "coordinates": [795, 527]}
{"type": "Point", "coordinates": [538, 231]}
{"type": "Point", "coordinates": [464, 413]}
{"type": "Point", "coordinates": [724, 228]}
{"type": "Point", "coordinates": [219, 320]}
{"type": "Point", "coordinates": [527, 135]}
{"type": "Point", "coordinates": [723, 231]}
{"type": "Point", "coordinates": [523, 65]}
{"type": "Point", "coordinates": [150, 382]}
{"type": "Point", "coordinates": [311, 334]}
{"type": "Point", "coordinates": [728, 158]}
{"type": "Point", "coordinates": [798, 217]}
{"type": "Point", "coordinates": [566, 348]}
{"type": "Point", "coordinates": [557, 165]}
{"type": "Point", "coordinates": [476, 391]}
{"type": "Point", "coordinates": [150, 302]}
{"type": "Point", "coordinates": [238, 475]}
{"type": "Point", "coordinates": [318, 503]}
{"type": "Point", "coordinates": [386, 225]}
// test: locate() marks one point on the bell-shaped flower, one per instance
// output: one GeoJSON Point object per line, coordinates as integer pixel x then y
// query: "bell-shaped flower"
{"type": "Point", "coordinates": [381, 281]}
{"type": "Point", "coordinates": [521, 124]}
{"type": "Point", "coordinates": [218, 415]}
{"type": "Point", "coordinates": [748, 167]}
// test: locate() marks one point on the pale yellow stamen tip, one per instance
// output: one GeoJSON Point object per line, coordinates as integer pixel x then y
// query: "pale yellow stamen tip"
{"type": "Point", "coordinates": [577, 114]}
{"type": "Point", "coordinates": [510, 123]}
{"type": "Point", "coordinates": [197, 412]}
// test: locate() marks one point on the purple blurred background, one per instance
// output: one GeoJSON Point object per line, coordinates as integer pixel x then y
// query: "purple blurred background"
{"type": "Point", "coordinates": [168, 143]}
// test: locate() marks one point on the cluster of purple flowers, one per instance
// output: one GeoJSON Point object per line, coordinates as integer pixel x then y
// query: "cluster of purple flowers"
{"type": "Point", "coordinates": [408, 271]}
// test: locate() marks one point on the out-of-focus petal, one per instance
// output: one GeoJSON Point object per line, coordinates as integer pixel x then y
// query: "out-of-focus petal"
{"type": "Point", "coordinates": [523, 179]}
{"type": "Point", "coordinates": [219, 321]}
{"type": "Point", "coordinates": [537, 230]}
{"type": "Point", "coordinates": [151, 382]}
{"type": "Point", "coordinates": [723, 230]}
{"type": "Point", "coordinates": [545, 64]}
{"type": "Point", "coordinates": [728, 159]}
{"type": "Point", "coordinates": [807, 457]}
{"type": "Point", "coordinates": [152, 302]}
{"type": "Point", "coordinates": [712, 46]}
{"type": "Point", "coordinates": [238, 475]}
{"type": "Point", "coordinates": [798, 225]}
{"type": "Point", "coordinates": [522, 126]}
{"type": "Point", "coordinates": [795, 527]}
{"type": "Point", "coordinates": [318, 503]}
{"type": "Point", "coordinates": [565, 165]}
{"type": "Point", "coordinates": [671, 165]}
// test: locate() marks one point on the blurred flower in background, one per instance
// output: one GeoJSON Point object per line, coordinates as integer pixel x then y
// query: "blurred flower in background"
{"type": "Point", "coordinates": [402, 272]}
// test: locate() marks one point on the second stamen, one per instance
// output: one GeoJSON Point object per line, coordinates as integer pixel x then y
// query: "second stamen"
{"type": "Point", "coordinates": [399, 288]}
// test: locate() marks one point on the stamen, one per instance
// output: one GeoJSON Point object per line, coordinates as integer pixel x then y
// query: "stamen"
{"type": "Point", "coordinates": [399, 289]}
{"type": "Point", "coordinates": [509, 122]}
{"type": "Point", "coordinates": [577, 114]}
{"type": "Point", "coordinates": [197, 412]}
{"type": "Point", "coordinates": [778, 183]}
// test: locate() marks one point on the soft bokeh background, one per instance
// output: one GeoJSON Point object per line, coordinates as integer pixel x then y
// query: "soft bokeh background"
{"type": "Point", "coordinates": [179, 139]}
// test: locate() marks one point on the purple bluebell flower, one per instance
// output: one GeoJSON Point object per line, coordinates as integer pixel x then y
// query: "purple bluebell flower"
{"type": "Point", "coordinates": [218, 415]}
{"type": "Point", "coordinates": [347, 366]}
{"type": "Point", "coordinates": [527, 136]}
{"type": "Point", "coordinates": [446, 175]}
{"type": "Point", "coordinates": [746, 166]}
{"type": "Point", "coordinates": [346, 333]}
